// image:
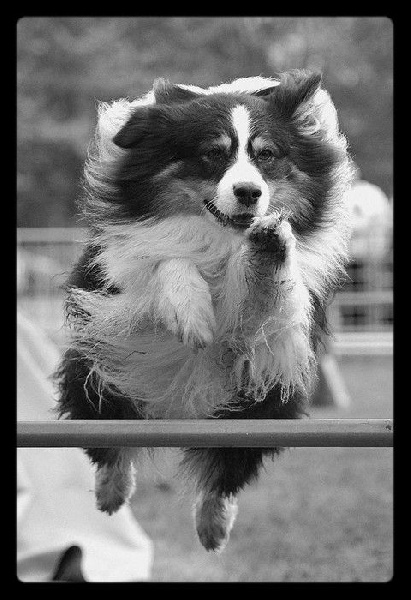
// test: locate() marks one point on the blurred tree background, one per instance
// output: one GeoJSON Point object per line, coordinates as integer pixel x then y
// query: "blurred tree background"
{"type": "Point", "coordinates": [65, 65]}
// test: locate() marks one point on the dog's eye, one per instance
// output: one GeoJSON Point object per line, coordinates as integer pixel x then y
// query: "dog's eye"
{"type": "Point", "coordinates": [267, 154]}
{"type": "Point", "coordinates": [216, 153]}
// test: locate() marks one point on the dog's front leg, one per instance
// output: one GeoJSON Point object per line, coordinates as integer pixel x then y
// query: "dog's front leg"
{"type": "Point", "coordinates": [271, 272]}
{"type": "Point", "coordinates": [184, 302]}
{"type": "Point", "coordinates": [276, 313]}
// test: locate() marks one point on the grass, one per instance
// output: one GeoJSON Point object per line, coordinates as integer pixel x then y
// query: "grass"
{"type": "Point", "coordinates": [315, 515]}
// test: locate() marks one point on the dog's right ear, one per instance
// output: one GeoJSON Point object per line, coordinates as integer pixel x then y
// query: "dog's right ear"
{"type": "Point", "coordinates": [135, 128]}
{"type": "Point", "coordinates": [142, 120]}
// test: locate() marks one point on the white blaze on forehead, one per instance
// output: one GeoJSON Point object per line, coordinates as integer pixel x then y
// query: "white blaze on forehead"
{"type": "Point", "coordinates": [242, 170]}
{"type": "Point", "coordinates": [240, 118]}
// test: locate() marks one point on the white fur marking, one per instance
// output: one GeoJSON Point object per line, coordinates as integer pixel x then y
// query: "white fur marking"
{"type": "Point", "coordinates": [240, 118]}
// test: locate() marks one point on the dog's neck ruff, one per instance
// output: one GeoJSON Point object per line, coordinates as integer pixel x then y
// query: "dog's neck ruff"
{"type": "Point", "coordinates": [130, 251]}
{"type": "Point", "coordinates": [132, 353]}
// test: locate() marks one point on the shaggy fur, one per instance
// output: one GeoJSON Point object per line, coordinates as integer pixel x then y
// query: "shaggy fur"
{"type": "Point", "coordinates": [218, 231]}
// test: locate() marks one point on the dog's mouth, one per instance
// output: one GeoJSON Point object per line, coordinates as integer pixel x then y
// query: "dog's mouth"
{"type": "Point", "coordinates": [240, 221]}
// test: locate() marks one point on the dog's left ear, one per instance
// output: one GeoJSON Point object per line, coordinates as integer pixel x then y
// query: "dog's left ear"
{"type": "Point", "coordinates": [299, 97]}
{"type": "Point", "coordinates": [166, 92]}
{"type": "Point", "coordinates": [294, 89]}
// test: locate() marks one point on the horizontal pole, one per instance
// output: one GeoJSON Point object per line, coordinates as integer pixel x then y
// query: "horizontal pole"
{"type": "Point", "coordinates": [206, 433]}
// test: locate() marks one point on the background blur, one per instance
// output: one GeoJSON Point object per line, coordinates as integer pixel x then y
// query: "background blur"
{"type": "Point", "coordinates": [338, 524]}
{"type": "Point", "coordinates": [65, 65]}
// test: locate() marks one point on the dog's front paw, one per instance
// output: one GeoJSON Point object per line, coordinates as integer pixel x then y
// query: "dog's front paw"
{"type": "Point", "coordinates": [184, 303]}
{"type": "Point", "coordinates": [273, 235]}
{"type": "Point", "coordinates": [194, 326]}
{"type": "Point", "coordinates": [196, 333]}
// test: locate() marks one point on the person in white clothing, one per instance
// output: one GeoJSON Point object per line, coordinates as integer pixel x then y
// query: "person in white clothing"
{"type": "Point", "coordinates": [61, 536]}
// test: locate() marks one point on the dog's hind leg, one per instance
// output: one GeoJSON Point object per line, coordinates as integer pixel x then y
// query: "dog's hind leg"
{"type": "Point", "coordinates": [220, 473]}
{"type": "Point", "coordinates": [81, 398]}
{"type": "Point", "coordinates": [215, 515]}
{"type": "Point", "coordinates": [115, 478]}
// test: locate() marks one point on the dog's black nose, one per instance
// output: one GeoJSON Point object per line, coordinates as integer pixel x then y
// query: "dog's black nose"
{"type": "Point", "coordinates": [247, 193]}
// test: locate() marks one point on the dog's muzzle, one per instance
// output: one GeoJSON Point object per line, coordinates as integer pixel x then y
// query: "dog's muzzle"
{"type": "Point", "coordinates": [239, 221]}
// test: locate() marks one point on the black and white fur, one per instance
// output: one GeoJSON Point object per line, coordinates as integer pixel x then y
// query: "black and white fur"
{"type": "Point", "coordinates": [218, 230]}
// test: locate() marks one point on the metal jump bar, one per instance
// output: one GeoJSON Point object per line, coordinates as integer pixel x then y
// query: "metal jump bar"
{"type": "Point", "coordinates": [206, 433]}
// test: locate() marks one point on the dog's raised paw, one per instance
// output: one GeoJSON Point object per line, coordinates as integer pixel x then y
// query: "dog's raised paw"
{"type": "Point", "coordinates": [272, 235]}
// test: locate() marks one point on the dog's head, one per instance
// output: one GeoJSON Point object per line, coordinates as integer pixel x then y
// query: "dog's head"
{"type": "Point", "coordinates": [232, 152]}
